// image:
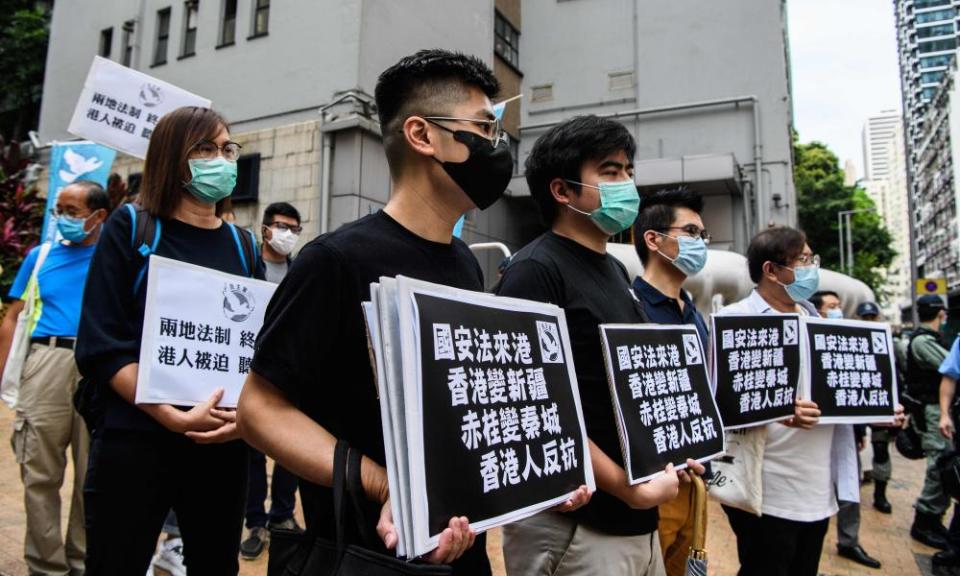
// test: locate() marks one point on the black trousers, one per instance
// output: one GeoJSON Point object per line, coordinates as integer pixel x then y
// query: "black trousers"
{"type": "Point", "coordinates": [135, 477]}
{"type": "Point", "coordinates": [283, 492]}
{"type": "Point", "coordinates": [771, 546]}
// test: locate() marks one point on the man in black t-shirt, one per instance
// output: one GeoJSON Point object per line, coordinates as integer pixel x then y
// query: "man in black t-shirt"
{"type": "Point", "coordinates": [311, 382]}
{"type": "Point", "coordinates": [581, 175]}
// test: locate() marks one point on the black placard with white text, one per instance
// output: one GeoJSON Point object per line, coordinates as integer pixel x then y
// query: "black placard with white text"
{"type": "Point", "coordinates": [661, 395]}
{"type": "Point", "coordinates": [756, 367]}
{"type": "Point", "coordinates": [502, 427]}
{"type": "Point", "coordinates": [850, 372]}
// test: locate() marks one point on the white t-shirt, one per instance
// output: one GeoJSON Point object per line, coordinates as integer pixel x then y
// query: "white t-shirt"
{"type": "Point", "coordinates": [797, 478]}
{"type": "Point", "coordinates": [798, 465]}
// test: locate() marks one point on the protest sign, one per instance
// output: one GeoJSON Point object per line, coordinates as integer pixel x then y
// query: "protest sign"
{"type": "Point", "coordinates": [662, 401]}
{"type": "Point", "coordinates": [756, 367]}
{"type": "Point", "coordinates": [850, 370]}
{"type": "Point", "coordinates": [70, 162]}
{"type": "Point", "coordinates": [199, 330]}
{"type": "Point", "coordinates": [119, 107]}
{"type": "Point", "coordinates": [480, 407]}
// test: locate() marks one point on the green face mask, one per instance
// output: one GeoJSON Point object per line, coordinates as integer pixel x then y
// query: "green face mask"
{"type": "Point", "coordinates": [211, 180]}
{"type": "Point", "coordinates": [619, 205]}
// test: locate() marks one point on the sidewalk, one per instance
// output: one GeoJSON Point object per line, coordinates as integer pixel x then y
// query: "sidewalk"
{"type": "Point", "coordinates": [886, 537]}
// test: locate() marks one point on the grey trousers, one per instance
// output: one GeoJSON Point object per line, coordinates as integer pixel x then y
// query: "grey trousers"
{"type": "Point", "coordinates": [848, 524]}
{"type": "Point", "coordinates": [932, 499]}
{"type": "Point", "coordinates": [552, 544]}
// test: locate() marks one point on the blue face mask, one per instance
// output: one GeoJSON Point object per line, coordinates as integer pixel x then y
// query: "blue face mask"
{"type": "Point", "coordinates": [806, 280]}
{"type": "Point", "coordinates": [211, 180]}
{"type": "Point", "coordinates": [619, 205]}
{"type": "Point", "coordinates": [692, 256]}
{"type": "Point", "coordinates": [835, 314]}
{"type": "Point", "coordinates": [72, 229]}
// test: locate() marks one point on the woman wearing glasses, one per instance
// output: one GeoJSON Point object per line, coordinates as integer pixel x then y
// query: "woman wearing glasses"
{"type": "Point", "coordinates": [147, 459]}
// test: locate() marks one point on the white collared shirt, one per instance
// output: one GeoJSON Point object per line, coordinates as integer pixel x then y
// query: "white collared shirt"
{"type": "Point", "coordinates": [801, 467]}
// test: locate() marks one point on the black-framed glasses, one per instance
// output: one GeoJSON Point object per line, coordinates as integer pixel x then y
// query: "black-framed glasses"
{"type": "Point", "coordinates": [693, 231]}
{"type": "Point", "coordinates": [492, 129]}
{"type": "Point", "coordinates": [207, 150]}
{"type": "Point", "coordinates": [295, 228]}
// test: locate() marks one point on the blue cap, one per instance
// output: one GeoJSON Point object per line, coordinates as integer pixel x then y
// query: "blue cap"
{"type": "Point", "coordinates": [868, 309]}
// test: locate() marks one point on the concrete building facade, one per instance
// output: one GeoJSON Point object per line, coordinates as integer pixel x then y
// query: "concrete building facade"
{"type": "Point", "coordinates": [707, 98]}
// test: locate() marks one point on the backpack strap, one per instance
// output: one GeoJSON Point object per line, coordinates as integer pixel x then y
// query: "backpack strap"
{"type": "Point", "coordinates": [145, 231]}
{"type": "Point", "coordinates": [246, 249]}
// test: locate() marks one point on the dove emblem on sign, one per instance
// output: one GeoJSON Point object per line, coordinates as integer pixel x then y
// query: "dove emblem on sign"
{"type": "Point", "coordinates": [77, 166]}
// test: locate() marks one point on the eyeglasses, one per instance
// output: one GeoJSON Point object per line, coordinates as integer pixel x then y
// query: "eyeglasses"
{"type": "Point", "coordinates": [296, 229]}
{"type": "Point", "coordinates": [693, 231]}
{"type": "Point", "coordinates": [804, 261]}
{"type": "Point", "coordinates": [207, 150]}
{"type": "Point", "coordinates": [492, 130]}
{"type": "Point", "coordinates": [69, 213]}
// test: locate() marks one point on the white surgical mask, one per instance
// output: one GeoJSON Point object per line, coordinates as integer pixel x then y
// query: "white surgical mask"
{"type": "Point", "coordinates": [283, 241]}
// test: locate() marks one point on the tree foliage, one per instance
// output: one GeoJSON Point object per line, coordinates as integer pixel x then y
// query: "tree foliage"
{"type": "Point", "coordinates": [24, 31]}
{"type": "Point", "coordinates": [821, 195]}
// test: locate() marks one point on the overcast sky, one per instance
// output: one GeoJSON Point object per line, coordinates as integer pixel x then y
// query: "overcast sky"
{"type": "Point", "coordinates": [844, 67]}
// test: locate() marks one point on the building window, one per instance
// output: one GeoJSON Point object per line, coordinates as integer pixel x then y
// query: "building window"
{"type": "Point", "coordinates": [506, 41]}
{"type": "Point", "coordinates": [931, 77]}
{"type": "Point", "coordinates": [938, 45]}
{"type": "Point", "coordinates": [929, 93]}
{"type": "Point", "coordinates": [106, 42]}
{"type": "Point", "coordinates": [228, 23]}
{"type": "Point", "coordinates": [163, 37]}
{"type": "Point", "coordinates": [935, 61]}
{"type": "Point", "coordinates": [938, 30]}
{"type": "Point", "coordinates": [261, 18]}
{"type": "Point", "coordinates": [936, 15]}
{"type": "Point", "coordinates": [515, 152]}
{"type": "Point", "coordinates": [921, 4]}
{"type": "Point", "coordinates": [127, 54]}
{"type": "Point", "coordinates": [190, 9]}
{"type": "Point", "coordinates": [248, 179]}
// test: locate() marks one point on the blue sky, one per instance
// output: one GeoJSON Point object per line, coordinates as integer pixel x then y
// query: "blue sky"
{"type": "Point", "coordinates": [844, 67]}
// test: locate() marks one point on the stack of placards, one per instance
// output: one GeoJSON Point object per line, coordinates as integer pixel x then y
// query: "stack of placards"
{"type": "Point", "coordinates": [662, 402]}
{"type": "Point", "coordinates": [480, 408]}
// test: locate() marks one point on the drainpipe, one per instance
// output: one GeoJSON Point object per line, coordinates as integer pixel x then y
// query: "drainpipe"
{"type": "Point", "coordinates": [326, 179]}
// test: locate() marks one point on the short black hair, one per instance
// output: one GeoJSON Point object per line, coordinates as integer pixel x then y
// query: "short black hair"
{"type": "Point", "coordinates": [429, 82]}
{"type": "Point", "coordinates": [658, 211]}
{"type": "Point", "coordinates": [817, 298]}
{"type": "Point", "coordinates": [97, 197]}
{"type": "Point", "coordinates": [564, 148]}
{"type": "Point", "coordinates": [281, 208]}
{"type": "Point", "coordinates": [779, 245]}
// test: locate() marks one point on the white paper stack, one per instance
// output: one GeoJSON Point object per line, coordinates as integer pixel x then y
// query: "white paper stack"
{"type": "Point", "coordinates": [480, 409]}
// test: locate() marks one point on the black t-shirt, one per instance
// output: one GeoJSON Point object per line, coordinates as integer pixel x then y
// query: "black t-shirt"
{"type": "Point", "coordinates": [112, 320]}
{"type": "Point", "coordinates": [592, 289]}
{"type": "Point", "coordinates": [313, 345]}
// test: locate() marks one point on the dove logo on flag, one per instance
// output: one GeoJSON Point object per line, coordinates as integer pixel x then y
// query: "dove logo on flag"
{"type": "Point", "coordinates": [77, 166]}
{"type": "Point", "coordinates": [69, 163]}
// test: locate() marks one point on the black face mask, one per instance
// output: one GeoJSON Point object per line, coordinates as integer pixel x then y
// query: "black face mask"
{"type": "Point", "coordinates": [484, 175]}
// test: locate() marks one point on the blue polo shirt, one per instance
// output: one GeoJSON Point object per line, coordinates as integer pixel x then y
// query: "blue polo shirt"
{"type": "Point", "coordinates": [951, 364]}
{"type": "Point", "coordinates": [662, 309]}
{"type": "Point", "coordinates": [61, 278]}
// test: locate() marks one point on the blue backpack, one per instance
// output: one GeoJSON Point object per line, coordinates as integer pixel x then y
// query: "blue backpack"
{"type": "Point", "coordinates": [143, 226]}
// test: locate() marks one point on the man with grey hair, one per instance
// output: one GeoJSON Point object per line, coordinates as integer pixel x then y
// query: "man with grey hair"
{"type": "Point", "coordinates": [46, 424]}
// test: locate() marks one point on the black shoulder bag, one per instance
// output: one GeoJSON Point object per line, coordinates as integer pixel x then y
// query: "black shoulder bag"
{"type": "Point", "coordinates": [292, 554]}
